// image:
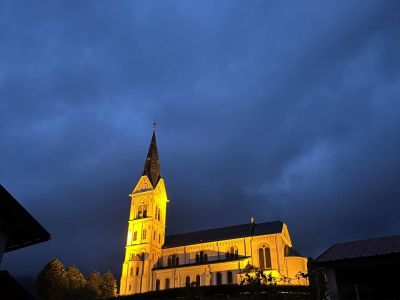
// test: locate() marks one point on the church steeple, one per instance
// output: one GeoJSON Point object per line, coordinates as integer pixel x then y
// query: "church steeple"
{"type": "Point", "coordinates": [146, 226]}
{"type": "Point", "coordinates": [152, 163]}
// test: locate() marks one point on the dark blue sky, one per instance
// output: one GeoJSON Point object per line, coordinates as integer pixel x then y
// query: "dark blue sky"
{"type": "Point", "coordinates": [261, 107]}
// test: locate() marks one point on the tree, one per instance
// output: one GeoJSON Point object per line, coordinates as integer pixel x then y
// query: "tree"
{"type": "Point", "coordinates": [76, 280]}
{"type": "Point", "coordinates": [76, 283]}
{"type": "Point", "coordinates": [52, 281]}
{"type": "Point", "coordinates": [108, 286]}
{"type": "Point", "coordinates": [92, 286]}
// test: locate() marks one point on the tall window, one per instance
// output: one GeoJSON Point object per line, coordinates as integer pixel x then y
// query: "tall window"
{"type": "Point", "coordinates": [134, 236]}
{"type": "Point", "coordinates": [187, 281]}
{"type": "Point", "coordinates": [131, 272]}
{"type": "Point", "coordinates": [137, 271]}
{"type": "Point", "coordinates": [219, 278]}
{"type": "Point", "coordinates": [157, 284]}
{"type": "Point", "coordinates": [144, 234]}
{"type": "Point", "coordinates": [264, 257]}
{"type": "Point", "coordinates": [268, 264]}
{"type": "Point", "coordinates": [230, 277]}
{"type": "Point", "coordinates": [158, 213]}
{"type": "Point", "coordinates": [167, 283]}
{"type": "Point", "coordinates": [197, 280]}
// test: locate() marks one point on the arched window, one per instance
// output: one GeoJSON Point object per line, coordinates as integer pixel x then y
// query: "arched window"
{"type": "Point", "coordinates": [232, 253]}
{"type": "Point", "coordinates": [219, 278]}
{"type": "Point", "coordinates": [157, 213]}
{"type": "Point", "coordinates": [167, 283]}
{"type": "Point", "coordinates": [201, 257]}
{"type": "Point", "coordinates": [131, 272]}
{"type": "Point", "coordinates": [144, 234]}
{"type": "Point", "coordinates": [197, 280]}
{"type": "Point", "coordinates": [268, 264]}
{"type": "Point", "coordinates": [230, 277]}
{"type": "Point", "coordinates": [173, 260]}
{"type": "Point", "coordinates": [142, 211]}
{"type": "Point", "coordinates": [187, 281]}
{"type": "Point", "coordinates": [134, 236]}
{"type": "Point", "coordinates": [137, 271]}
{"type": "Point", "coordinates": [264, 257]}
{"type": "Point", "coordinates": [261, 258]}
{"type": "Point", "coordinates": [157, 284]}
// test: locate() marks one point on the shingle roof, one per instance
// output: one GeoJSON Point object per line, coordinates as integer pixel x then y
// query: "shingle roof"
{"type": "Point", "coordinates": [360, 249]}
{"type": "Point", "coordinates": [152, 162]}
{"type": "Point", "coordinates": [22, 229]}
{"type": "Point", "coordinates": [293, 252]}
{"type": "Point", "coordinates": [223, 233]}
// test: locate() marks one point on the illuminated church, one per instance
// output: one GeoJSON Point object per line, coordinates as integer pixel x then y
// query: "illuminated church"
{"type": "Point", "coordinates": [154, 261]}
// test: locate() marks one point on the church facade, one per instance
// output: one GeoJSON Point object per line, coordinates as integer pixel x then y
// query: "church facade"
{"type": "Point", "coordinates": [154, 261]}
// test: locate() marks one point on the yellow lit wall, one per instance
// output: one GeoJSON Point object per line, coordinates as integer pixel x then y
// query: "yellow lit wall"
{"type": "Point", "coordinates": [146, 234]}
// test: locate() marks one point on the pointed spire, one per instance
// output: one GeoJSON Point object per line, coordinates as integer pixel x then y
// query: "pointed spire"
{"type": "Point", "coordinates": [152, 163]}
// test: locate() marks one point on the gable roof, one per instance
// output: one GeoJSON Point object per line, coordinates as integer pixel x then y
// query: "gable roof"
{"type": "Point", "coordinates": [360, 249]}
{"type": "Point", "coordinates": [223, 233]}
{"type": "Point", "coordinates": [21, 228]}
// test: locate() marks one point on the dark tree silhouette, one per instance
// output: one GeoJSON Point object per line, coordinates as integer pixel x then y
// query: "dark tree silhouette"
{"type": "Point", "coordinates": [52, 281]}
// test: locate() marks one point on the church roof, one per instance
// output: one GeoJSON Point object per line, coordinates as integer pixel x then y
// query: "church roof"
{"type": "Point", "coordinates": [152, 163]}
{"type": "Point", "coordinates": [223, 233]}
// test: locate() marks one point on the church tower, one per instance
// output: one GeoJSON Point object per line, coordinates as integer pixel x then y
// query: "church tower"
{"type": "Point", "coordinates": [146, 226]}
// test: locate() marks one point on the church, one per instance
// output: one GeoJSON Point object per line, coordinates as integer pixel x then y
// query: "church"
{"type": "Point", "coordinates": [154, 261]}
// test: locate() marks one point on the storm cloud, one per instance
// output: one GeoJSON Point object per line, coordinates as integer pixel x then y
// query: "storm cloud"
{"type": "Point", "coordinates": [282, 110]}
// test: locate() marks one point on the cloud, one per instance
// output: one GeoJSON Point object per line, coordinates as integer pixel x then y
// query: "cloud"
{"type": "Point", "coordinates": [263, 110]}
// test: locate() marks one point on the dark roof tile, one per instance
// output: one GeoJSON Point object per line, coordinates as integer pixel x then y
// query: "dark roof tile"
{"type": "Point", "coordinates": [223, 233]}
{"type": "Point", "coordinates": [22, 229]}
{"type": "Point", "coordinates": [363, 248]}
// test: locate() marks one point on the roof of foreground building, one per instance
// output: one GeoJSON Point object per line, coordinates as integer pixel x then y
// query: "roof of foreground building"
{"type": "Point", "coordinates": [361, 249]}
{"type": "Point", "coordinates": [21, 228]}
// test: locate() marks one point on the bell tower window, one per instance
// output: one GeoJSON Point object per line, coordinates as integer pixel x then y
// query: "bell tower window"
{"type": "Point", "coordinates": [142, 211]}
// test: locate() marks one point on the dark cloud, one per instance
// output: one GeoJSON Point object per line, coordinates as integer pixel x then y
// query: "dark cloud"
{"type": "Point", "coordinates": [264, 110]}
